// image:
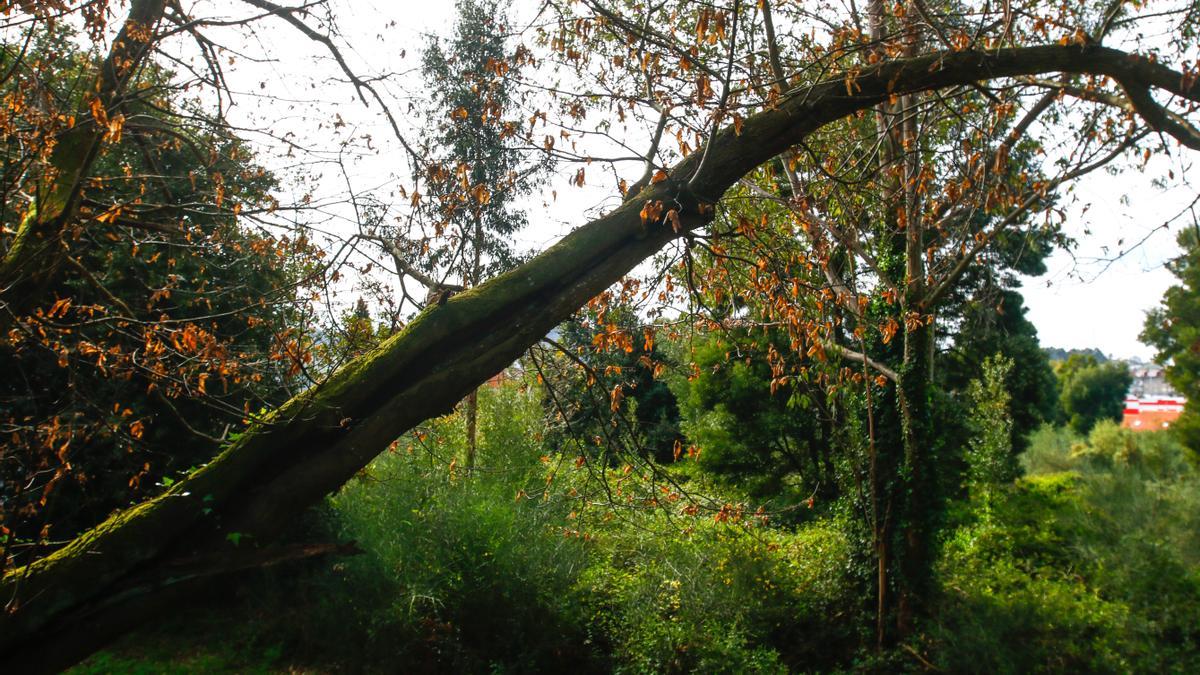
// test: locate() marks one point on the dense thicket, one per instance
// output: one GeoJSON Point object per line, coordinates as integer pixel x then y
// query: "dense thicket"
{"type": "Point", "coordinates": [1086, 562]}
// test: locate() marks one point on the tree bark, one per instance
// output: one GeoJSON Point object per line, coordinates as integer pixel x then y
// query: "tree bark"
{"type": "Point", "coordinates": [472, 412]}
{"type": "Point", "coordinates": [886, 453]}
{"type": "Point", "coordinates": [472, 402]}
{"type": "Point", "coordinates": [314, 443]}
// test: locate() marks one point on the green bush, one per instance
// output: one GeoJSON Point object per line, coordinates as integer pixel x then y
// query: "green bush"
{"type": "Point", "coordinates": [1049, 451]}
{"type": "Point", "coordinates": [533, 562]}
{"type": "Point", "coordinates": [720, 597]}
{"type": "Point", "coordinates": [990, 458]}
{"type": "Point", "coordinates": [505, 570]}
{"type": "Point", "coordinates": [1010, 601]}
{"type": "Point", "coordinates": [458, 571]}
{"type": "Point", "coordinates": [1094, 568]}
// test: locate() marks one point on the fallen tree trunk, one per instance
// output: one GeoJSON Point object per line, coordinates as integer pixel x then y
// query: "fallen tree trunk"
{"type": "Point", "coordinates": [63, 606]}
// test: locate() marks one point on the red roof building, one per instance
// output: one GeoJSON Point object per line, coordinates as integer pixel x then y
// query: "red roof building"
{"type": "Point", "coordinates": [1151, 414]}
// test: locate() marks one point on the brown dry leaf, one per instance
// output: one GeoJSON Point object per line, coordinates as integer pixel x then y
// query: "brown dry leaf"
{"type": "Point", "coordinates": [651, 212]}
{"type": "Point", "coordinates": [617, 396]}
{"type": "Point", "coordinates": [673, 218]}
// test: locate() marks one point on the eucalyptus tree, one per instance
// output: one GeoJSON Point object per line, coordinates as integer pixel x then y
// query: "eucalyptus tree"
{"type": "Point", "coordinates": [475, 150]}
{"type": "Point", "coordinates": [475, 167]}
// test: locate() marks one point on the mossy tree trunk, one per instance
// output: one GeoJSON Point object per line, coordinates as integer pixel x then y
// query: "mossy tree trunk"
{"type": "Point", "coordinates": [136, 563]}
{"type": "Point", "coordinates": [37, 249]}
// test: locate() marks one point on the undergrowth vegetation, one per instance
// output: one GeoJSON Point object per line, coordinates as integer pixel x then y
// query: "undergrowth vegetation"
{"type": "Point", "coordinates": [535, 562]}
{"type": "Point", "coordinates": [1089, 563]}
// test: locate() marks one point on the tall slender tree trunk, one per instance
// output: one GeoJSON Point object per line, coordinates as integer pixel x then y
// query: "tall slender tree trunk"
{"type": "Point", "coordinates": [916, 489]}
{"type": "Point", "coordinates": [916, 379]}
{"type": "Point", "coordinates": [885, 417]}
{"type": "Point", "coordinates": [885, 454]}
{"type": "Point", "coordinates": [472, 402]}
{"type": "Point", "coordinates": [472, 413]}
{"type": "Point", "coordinates": [903, 498]}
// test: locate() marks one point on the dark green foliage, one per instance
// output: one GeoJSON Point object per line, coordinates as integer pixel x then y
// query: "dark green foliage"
{"type": "Point", "coordinates": [1092, 391]}
{"type": "Point", "coordinates": [459, 571]}
{"type": "Point", "coordinates": [470, 574]}
{"type": "Point", "coordinates": [1011, 604]}
{"type": "Point", "coordinates": [1089, 565]}
{"type": "Point", "coordinates": [1089, 570]}
{"type": "Point", "coordinates": [627, 356]}
{"type": "Point", "coordinates": [720, 597]}
{"type": "Point", "coordinates": [1001, 328]}
{"type": "Point", "coordinates": [1056, 354]}
{"type": "Point", "coordinates": [990, 458]}
{"type": "Point", "coordinates": [476, 168]}
{"type": "Point", "coordinates": [1173, 329]}
{"type": "Point", "coordinates": [489, 572]}
{"type": "Point", "coordinates": [170, 326]}
{"type": "Point", "coordinates": [158, 654]}
{"type": "Point", "coordinates": [772, 441]}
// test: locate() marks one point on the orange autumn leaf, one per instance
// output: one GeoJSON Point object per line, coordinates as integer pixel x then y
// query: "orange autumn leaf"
{"type": "Point", "coordinates": [98, 112]}
{"type": "Point", "coordinates": [112, 130]}
{"type": "Point", "coordinates": [616, 397]}
{"type": "Point", "coordinates": [481, 194]}
{"type": "Point", "coordinates": [889, 330]}
{"type": "Point", "coordinates": [651, 212]}
{"type": "Point", "coordinates": [673, 218]}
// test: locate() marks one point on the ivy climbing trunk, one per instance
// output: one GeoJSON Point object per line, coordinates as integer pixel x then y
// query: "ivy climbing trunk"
{"type": "Point", "coordinates": [887, 457]}
{"type": "Point", "coordinates": [915, 492]}
{"type": "Point", "coordinates": [917, 496]}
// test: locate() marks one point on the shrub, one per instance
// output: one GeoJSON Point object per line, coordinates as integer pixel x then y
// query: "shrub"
{"type": "Point", "coordinates": [457, 574]}
{"type": "Point", "coordinates": [720, 597]}
{"type": "Point", "coordinates": [1092, 569]}
{"type": "Point", "coordinates": [1010, 603]}
{"type": "Point", "coordinates": [1049, 451]}
{"type": "Point", "coordinates": [990, 458]}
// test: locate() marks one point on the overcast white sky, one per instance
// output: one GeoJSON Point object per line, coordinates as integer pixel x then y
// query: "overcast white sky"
{"type": "Point", "coordinates": [1089, 300]}
{"type": "Point", "coordinates": [1083, 301]}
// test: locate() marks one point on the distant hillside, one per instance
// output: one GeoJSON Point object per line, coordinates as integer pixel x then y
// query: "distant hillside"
{"type": "Point", "coordinates": [1059, 354]}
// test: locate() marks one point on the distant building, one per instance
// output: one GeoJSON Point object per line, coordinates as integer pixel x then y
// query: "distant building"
{"type": "Point", "coordinates": [1152, 404]}
{"type": "Point", "coordinates": [1149, 381]}
{"type": "Point", "coordinates": [1151, 413]}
